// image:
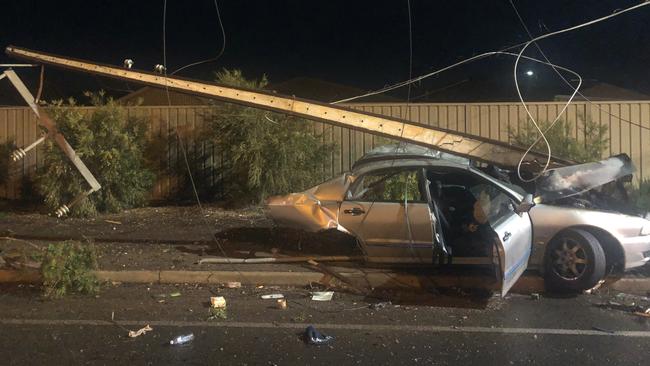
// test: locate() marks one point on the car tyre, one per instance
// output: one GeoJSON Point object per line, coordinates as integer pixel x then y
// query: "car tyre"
{"type": "Point", "coordinates": [574, 261]}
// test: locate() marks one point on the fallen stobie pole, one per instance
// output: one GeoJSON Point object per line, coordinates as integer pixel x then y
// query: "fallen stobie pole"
{"type": "Point", "coordinates": [459, 143]}
{"type": "Point", "coordinates": [334, 258]}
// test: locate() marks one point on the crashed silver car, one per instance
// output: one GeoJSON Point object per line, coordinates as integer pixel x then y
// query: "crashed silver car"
{"type": "Point", "coordinates": [416, 205]}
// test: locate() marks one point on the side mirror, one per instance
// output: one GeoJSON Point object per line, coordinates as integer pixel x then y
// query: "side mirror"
{"type": "Point", "coordinates": [525, 205]}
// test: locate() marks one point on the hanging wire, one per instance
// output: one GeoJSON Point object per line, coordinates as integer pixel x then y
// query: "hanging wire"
{"type": "Point", "coordinates": [542, 136]}
{"type": "Point", "coordinates": [521, 20]}
{"type": "Point", "coordinates": [223, 45]}
{"type": "Point", "coordinates": [472, 59]}
{"type": "Point", "coordinates": [184, 152]}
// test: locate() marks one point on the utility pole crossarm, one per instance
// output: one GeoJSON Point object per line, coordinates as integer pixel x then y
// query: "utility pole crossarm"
{"type": "Point", "coordinates": [473, 147]}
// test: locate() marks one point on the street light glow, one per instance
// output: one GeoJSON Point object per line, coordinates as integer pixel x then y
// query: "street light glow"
{"type": "Point", "coordinates": [530, 73]}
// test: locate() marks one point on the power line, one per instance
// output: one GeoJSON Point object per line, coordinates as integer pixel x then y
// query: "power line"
{"type": "Point", "coordinates": [223, 45]}
{"type": "Point", "coordinates": [521, 52]}
{"type": "Point", "coordinates": [183, 150]}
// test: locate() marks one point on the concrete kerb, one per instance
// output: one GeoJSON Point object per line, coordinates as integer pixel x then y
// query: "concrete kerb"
{"type": "Point", "coordinates": [526, 284]}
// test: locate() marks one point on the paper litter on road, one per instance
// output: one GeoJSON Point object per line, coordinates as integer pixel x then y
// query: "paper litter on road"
{"type": "Point", "coordinates": [140, 331]}
{"type": "Point", "coordinates": [322, 295]}
{"type": "Point", "coordinates": [272, 296]}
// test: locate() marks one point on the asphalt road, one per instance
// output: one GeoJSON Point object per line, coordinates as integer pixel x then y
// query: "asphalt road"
{"type": "Point", "coordinates": [450, 328]}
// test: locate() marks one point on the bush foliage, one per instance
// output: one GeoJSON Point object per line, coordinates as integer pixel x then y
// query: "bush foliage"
{"type": "Point", "coordinates": [263, 153]}
{"type": "Point", "coordinates": [110, 143]}
{"type": "Point", "coordinates": [67, 268]}
{"type": "Point", "coordinates": [640, 195]}
{"type": "Point", "coordinates": [562, 139]}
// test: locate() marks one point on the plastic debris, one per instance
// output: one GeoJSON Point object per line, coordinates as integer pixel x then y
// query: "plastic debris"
{"type": "Point", "coordinates": [315, 337]}
{"type": "Point", "coordinates": [139, 332]}
{"type": "Point", "coordinates": [272, 296]}
{"type": "Point", "coordinates": [380, 305]}
{"type": "Point", "coordinates": [182, 339]}
{"type": "Point", "coordinates": [322, 295]}
{"type": "Point", "coordinates": [282, 304]}
{"type": "Point", "coordinates": [175, 294]}
{"type": "Point", "coordinates": [218, 302]}
{"type": "Point", "coordinates": [233, 284]}
{"type": "Point", "coordinates": [595, 288]}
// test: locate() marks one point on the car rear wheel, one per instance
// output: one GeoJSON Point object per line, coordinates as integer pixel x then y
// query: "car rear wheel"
{"type": "Point", "coordinates": [574, 261]}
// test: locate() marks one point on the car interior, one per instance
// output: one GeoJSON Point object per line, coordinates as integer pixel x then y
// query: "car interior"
{"type": "Point", "coordinates": [467, 206]}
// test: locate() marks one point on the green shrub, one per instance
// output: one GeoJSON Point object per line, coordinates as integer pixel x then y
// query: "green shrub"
{"type": "Point", "coordinates": [263, 153]}
{"type": "Point", "coordinates": [67, 268]}
{"type": "Point", "coordinates": [562, 140]}
{"type": "Point", "coordinates": [641, 195]}
{"type": "Point", "coordinates": [111, 144]}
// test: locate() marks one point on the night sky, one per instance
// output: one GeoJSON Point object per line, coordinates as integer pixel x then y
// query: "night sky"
{"type": "Point", "coordinates": [357, 43]}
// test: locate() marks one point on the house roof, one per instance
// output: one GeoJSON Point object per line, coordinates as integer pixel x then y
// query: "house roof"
{"type": "Point", "coordinates": [151, 96]}
{"type": "Point", "coordinates": [324, 91]}
{"type": "Point", "coordinates": [595, 90]}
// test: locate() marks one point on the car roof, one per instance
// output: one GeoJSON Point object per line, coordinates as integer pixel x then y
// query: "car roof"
{"type": "Point", "coordinates": [407, 154]}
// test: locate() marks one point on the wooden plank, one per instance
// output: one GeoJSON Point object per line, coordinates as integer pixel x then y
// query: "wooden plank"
{"type": "Point", "coordinates": [635, 138]}
{"type": "Point", "coordinates": [644, 116]}
{"type": "Point", "coordinates": [493, 122]}
{"type": "Point", "coordinates": [452, 121]}
{"type": "Point", "coordinates": [615, 126]}
{"type": "Point", "coordinates": [626, 137]}
{"type": "Point", "coordinates": [503, 121]}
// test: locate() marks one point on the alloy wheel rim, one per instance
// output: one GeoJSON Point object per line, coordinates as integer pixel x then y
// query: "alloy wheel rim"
{"type": "Point", "coordinates": [569, 259]}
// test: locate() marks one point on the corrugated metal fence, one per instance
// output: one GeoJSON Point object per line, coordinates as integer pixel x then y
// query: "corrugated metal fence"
{"type": "Point", "coordinates": [628, 129]}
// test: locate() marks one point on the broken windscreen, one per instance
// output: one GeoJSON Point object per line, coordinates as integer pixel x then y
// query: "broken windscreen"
{"type": "Point", "coordinates": [572, 180]}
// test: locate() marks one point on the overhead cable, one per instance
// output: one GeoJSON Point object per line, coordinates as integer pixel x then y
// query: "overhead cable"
{"type": "Point", "coordinates": [521, 99]}
{"type": "Point", "coordinates": [223, 45]}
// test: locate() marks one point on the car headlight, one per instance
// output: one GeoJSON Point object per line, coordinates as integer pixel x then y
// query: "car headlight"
{"type": "Point", "coordinates": [645, 230]}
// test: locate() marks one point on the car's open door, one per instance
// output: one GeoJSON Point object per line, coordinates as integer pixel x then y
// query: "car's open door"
{"type": "Point", "coordinates": [514, 232]}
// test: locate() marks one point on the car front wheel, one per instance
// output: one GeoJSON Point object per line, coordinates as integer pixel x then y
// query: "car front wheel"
{"type": "Point", "coordinates": [574, 261]}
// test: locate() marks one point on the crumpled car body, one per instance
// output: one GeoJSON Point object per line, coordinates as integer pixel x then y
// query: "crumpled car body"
{"type": "Point", "coordinates": [313, 210]}
{"type": "Point", "coordinates": [406, 205]}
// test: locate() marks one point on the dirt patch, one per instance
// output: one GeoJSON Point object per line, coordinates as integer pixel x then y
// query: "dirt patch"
{"type": "Point", "coordinates": [168, 224]}
{"type": "Point", "coordinates": [173, 237]}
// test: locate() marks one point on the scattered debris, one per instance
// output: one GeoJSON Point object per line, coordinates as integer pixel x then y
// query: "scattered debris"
{"type": "Point", "coordinates": [535, 296]}
{"type": "Point", "coordinates": [113, 222]}
{"type": "Point", "coordinates": [623, 296]}
{"type": "Point", "coordinates": [593, 289]}
{"type": "Point", "coordinates": [645, 314]}
{"type": "Point", "coordinates": [272, 296]}
{"type": "Point", "coordinates": [139, 332]}
{"type": "Point", "coordinates": [619, 306]}
{"type": "Point", "coordinates": [175, 294]}
{"type": "Point", "coordinates": [182, 339]}
{"type": "Point", "coordinates": [380, 305]}
{"type": "Point", "coordinates": [217, 308]}
{"type": "Point", "coordinates": [315, 337]}
{"type": "Point", "coordinates": [218, 313]}
{"type": "Point", "coordinates": [218, 302]}
{"type": "Point", "coordinates": [322, 295]}
{"type": "Point", "coordinates": [282, 304]}
{"type": "Point", "coordinates": [233, 284]}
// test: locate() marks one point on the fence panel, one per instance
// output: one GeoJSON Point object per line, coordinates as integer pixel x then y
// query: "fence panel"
{"type": "Point", "coordinates": [627, 122]}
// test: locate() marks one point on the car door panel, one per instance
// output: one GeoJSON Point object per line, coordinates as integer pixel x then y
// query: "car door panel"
{"type": "Point", "coordinates": [514, 240]}
{"type": "Point", "coordinates": [384, 231]}
{"type": "Point", "coordinates": [386, 226]}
